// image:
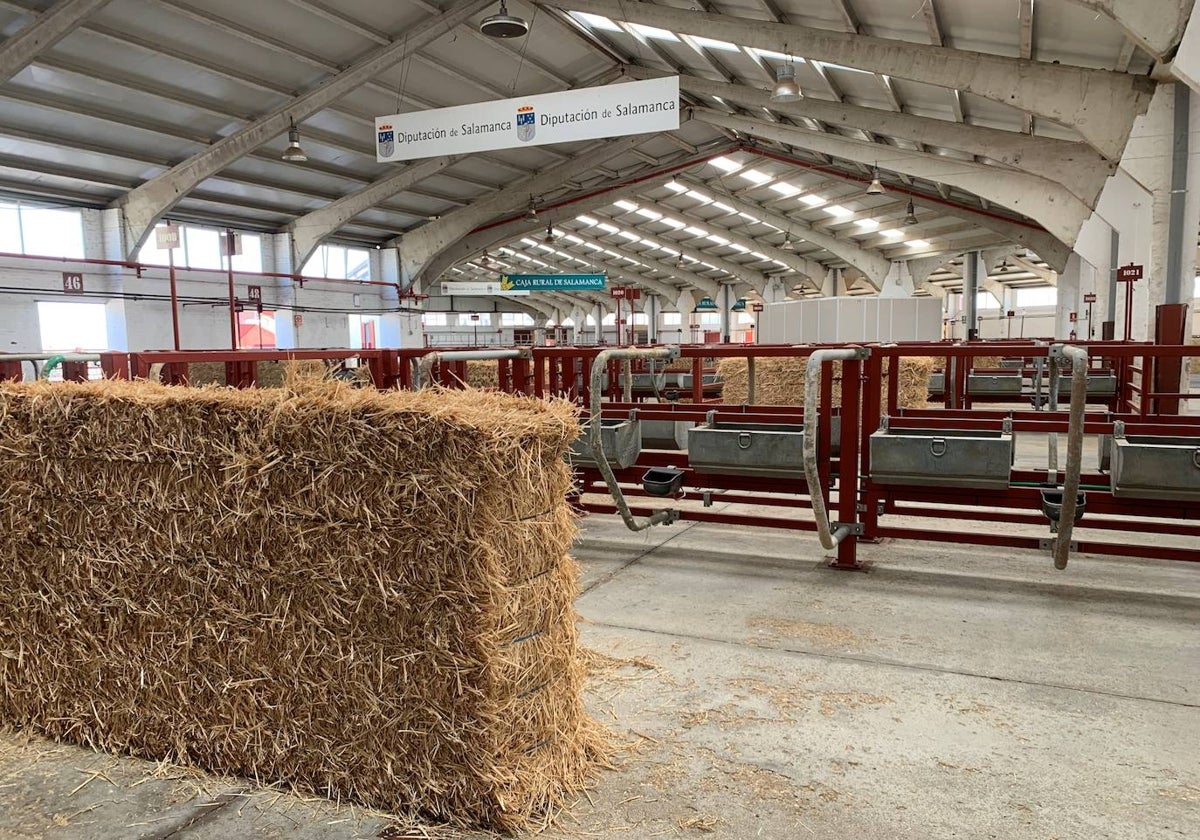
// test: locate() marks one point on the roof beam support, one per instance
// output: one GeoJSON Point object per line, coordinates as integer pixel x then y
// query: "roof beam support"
{"type": "Point", "coordinates": [1047, 247]}
{"type": "Point", "coordinates": [309, 230]}
{"type": "Point", "coordinates": [1156, 27]}
{"type": "Point", "coordinates": [50, 27]}
{"type": "Point", "coordinates": [1058, 211]}
{"type": "Point", "coordinates": [1100, 104]}
{"type": "Point", "coordinates": [145, 205]}
{"type": "Point", "coordinates": [420, 247]}
{"type": "Point", "coordinates": [874, 266]}
{"type": "Point", "coordinates": [1075, 166]}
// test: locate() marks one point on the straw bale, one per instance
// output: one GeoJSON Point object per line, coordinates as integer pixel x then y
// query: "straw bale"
{"type": "Point", "coordinates": [271, 374]}
{"type": "Point", "coordinates": [780, 380]}
{"type": "Point", "coordinates": [366, 595]}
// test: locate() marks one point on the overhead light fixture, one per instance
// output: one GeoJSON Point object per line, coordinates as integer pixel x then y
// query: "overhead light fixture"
{"type": "Point", "coordinates": [293, 153]}
{"type": "Point", "coordinates": [875, 187]}
{"type": "Point", "coordinates": [679, 262]}
{"type": "Point", "coordinates": [486, 262]}
{"type": "Point", "coordinates": [911, 218]}
{"type": "Point", "coordinates": [531, 213]}
{"type": "Point", "coordinates": [786, 89]}
{"type": "Point", "coordinates": [504, 25]}
{"type": "Point", "coordinates": [788, 245]}
{"type": "Point", "coordinates": [549, 237]}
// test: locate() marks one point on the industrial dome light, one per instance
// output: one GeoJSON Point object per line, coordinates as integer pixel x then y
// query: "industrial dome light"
{"type": "Point", "coordinates": [550, 236]}
{"type": "Point", "coordinates": [911, 218]}
{"type": "Point", "coordinates": [293, 153]}
{"type": "Point", "coordinates": [531, 212]}
{"type": "Point", "coordinates": [1003, 269]}
{"type": "Point", "coordinates": [875, 187]}
{"type": "Point", "coordinates": [504, 25]}
{"type": "Point", "coordinates": [786, 89]}
{"type": "Point", "coordinates": [787, 245]}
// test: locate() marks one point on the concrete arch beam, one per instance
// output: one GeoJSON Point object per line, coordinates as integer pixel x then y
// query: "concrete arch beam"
{"type": "Point", "coordinates": [144, 205]}
{"type": "Point", "coordinates": [1058, 211]}
{"type": "Point", "coordinates": [1076, 166]}
{"type": "Point", "coordinates": [47, 29]}
{"type": "Point", "coordinates": [1100, 104]}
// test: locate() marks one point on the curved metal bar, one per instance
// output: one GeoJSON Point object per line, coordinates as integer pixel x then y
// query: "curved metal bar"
{"type": "Point", "coordinates": [425, 367]}
{"type": "Point", "coordinates": [1079, 376]}
{"type": "Point", "coordinates": [596, 438]}
{"type": "Point", "coordinates": [812, 382]}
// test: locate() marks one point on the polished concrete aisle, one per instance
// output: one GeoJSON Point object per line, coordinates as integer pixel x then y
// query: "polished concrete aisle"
{"type": "Point", "coordinates": [950, 692]}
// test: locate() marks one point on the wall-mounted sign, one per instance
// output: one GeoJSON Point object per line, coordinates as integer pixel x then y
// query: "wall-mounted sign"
{"type": "Point", "coordinates": [584, 114]}
{"type": "Point", "coordinates": [166, 238]}
{"type": "Point", "coordinates": [757, 307]}
{"type": "Point", "coordinates": [1012, 313]}
{"type": "Point", "coordinates": [72, 282]}
{"type": "Point", "coordinates": [1073, 317]}
{"type": "Point", "coordinates": [1129, 273]}
{"type": "Point", "coordinates": [255, 293]}
{"type": "Point", "coordinates": [625, 293]}
{"type": "Point", "coordinates": [553, 282]}
{"type": "Point", "coordinates": [1090, 297]}
{"type": "Point", "coordinates": [231, 243]}
{"type": "Point", "coordinates": [479, 287]}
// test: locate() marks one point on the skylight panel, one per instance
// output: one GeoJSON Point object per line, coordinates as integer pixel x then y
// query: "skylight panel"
{"type": "Point", "coordinates": [627, 206]}
{"type": "Point", "coordinates": [653, 32]}
{"type": "Point", "coordinates": [675, 223]}
{"type": "Point", "coordinates": [648, 213]}
{"type": "Point", "coordinates": [695, 231]}
{"type": "Point", "coordinates": [724, 208]}
{"type": "Point", "coordinates": [867, 224]}
{"type": "Point", "coordinates": [699, 196]}
{"type": "Point", "coordinates": [785, 189]}
{"type": "Point", "coordinates": [586, 220]}
{"type": "Point", "coordinates": [726, 164]}
{"type": "Point", "coordinates": [632, 237]}
{"type": "Point", "coordinates": [720, 240]}
{"type": "Point", "coordinates": [813, 201]}
{"type": "Point", "coordinates": [918, 243]}
{"type": "Point", "coordinates": [755, 177]}
{"type": "Point", "coordinates": [713, 44]}
{"type": "Point", "coordinates": [675, 186]}
{"type": "Point", "coordinates": [892, 233]}
{"type": "Point", "coordinates": [839, 211]}
{"type": "Point", "coordinates": [596, 21]}
{"type": "Point", "coordinates": [607, 228]}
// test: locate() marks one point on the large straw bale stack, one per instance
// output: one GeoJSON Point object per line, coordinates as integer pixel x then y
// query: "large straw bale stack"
{"type": "Point", "coordinates": [272, 374]}
{"type": "Point", "coordinates": [780, 380]}
{"type": "Point", "coordinates": [361, 594]}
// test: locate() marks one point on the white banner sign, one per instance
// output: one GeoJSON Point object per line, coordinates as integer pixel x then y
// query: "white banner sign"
{"type": "Point", "coordinates": [583, 114]}
{"type": "Point", "coordinates": [479, 287]}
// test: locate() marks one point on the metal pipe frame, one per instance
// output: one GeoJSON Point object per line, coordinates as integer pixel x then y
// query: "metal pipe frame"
{"type": "Point", "coordinates": [870, 391]}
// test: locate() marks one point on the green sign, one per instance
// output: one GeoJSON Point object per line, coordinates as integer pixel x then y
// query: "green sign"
{"type": "Point", "coordinates": [551, 282]}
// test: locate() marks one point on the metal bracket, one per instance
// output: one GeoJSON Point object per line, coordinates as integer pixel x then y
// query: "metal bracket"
{"type": "Point", "coordinates": [883, 424]}
{"type": "Point", "coordinates": [1119, 429]}
{"type": "Point", "coordinates": [708, 502]}
{"type": "Point", "coordinates": [856, 528]}
{"type": "Point", "coordinates": [1006, 426]}
{"type": "Point", "coordinates": [1047, 544]}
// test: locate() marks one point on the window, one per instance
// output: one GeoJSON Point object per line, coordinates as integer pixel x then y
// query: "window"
{"type": "Point", "coordinates": [1195, 287]}
{"type": "Point", "coordinates": [516, 319]}
{"type": "Point", "coordinates": [364, 332]}
{"type": "Point", "coordinates": [72, 327]}
{"type": "Point", "coordinates": [27, 229]}
{"type": "Point", "coordinates": [610, 319]}
{"type": "Point", "coordinates": [639, 319]}
{"type": "Point", "coordinates": [672, 319]}
{"type": "Point", "coordinates": [1047, 296]}
{"type": "Point", "coordinates": [200, 247]}
{"type": "Point", "coordinates": [339, 263]}
{"type": "Point", "coordinates": [708, 319]}
{"type": "Point", "coordinates": [434, 319]}
{"type": "Point", "coordinates": [984, 300]}
{"type": "Point", "coordinates": [256, 330]}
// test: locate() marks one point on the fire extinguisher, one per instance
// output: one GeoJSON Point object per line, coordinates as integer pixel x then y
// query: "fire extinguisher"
{"type": "Point", "coordinates": [1072, 335]}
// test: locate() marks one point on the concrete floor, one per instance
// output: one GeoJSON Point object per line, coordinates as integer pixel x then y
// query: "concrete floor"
{"type": "Point", "coordinates": [948, 693]}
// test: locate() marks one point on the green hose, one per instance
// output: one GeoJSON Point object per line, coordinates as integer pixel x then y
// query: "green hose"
{"type": "Point", "coordinates": [51, 364]}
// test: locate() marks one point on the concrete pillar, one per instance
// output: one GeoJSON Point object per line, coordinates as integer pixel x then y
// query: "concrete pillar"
{"type": "Point", "coordinates": [972, 267]}
{"type": "Point", "coordinates": [1070, 297]}
{"type": "Point", "coordinates": [652, 306]}
{"type": "Point", "coordinates": [775, 291]}
{"type": "Point", "coordinates": [725, 301]}
{"type": "Point", "coordinates": [899, 281]}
